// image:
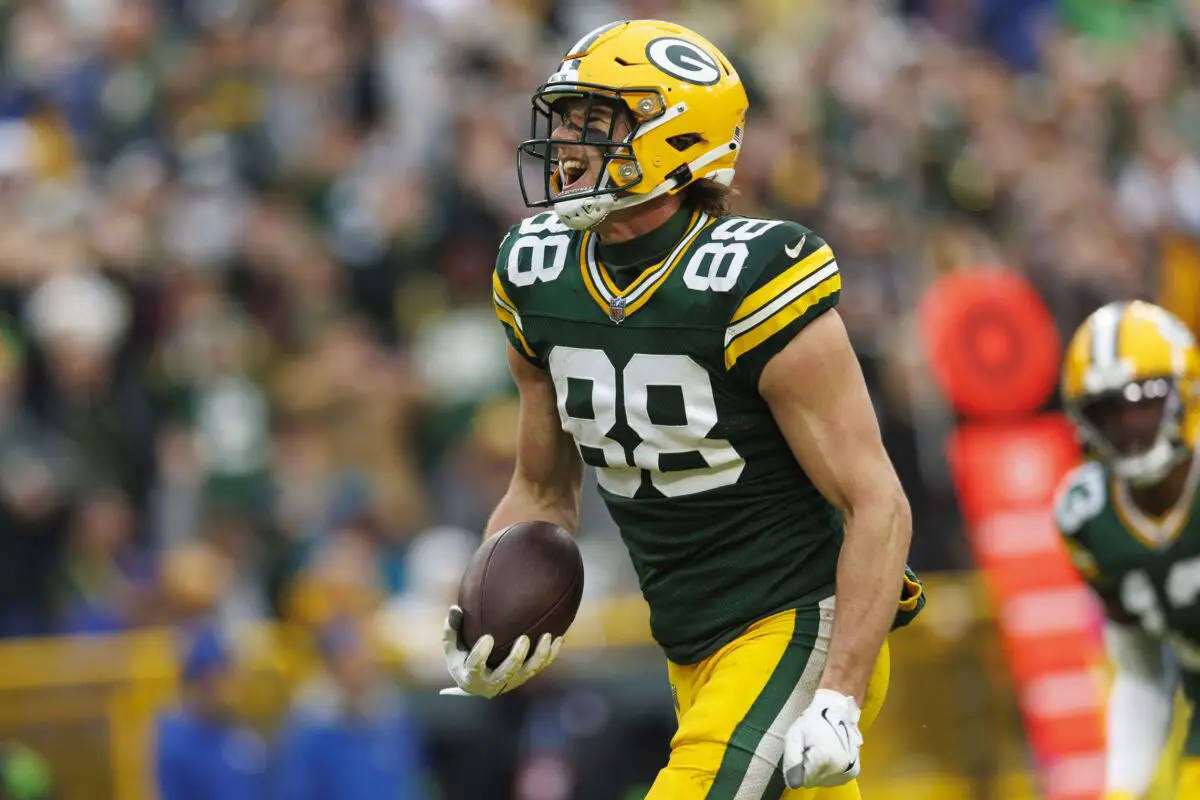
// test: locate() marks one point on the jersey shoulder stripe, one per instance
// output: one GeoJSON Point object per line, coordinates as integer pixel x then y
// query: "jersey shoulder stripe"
{"type": "Point", "coordinates": [506, 312]}
{"type": "Point", "coordinates": [795, 293]}
{"type": "Point", "coordinates": [531, 252]}
{"type": "Point", "coordinates": [807, 265]}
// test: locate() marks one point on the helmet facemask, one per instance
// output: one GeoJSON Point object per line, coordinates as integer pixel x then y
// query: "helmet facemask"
{"type": "Point", "coordinates": [1143, 456]}
{"type": "Point", "coordinates": [583, 207]}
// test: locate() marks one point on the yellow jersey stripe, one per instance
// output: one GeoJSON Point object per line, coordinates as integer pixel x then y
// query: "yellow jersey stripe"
{"type": "Point", "coordinates": [596, 273]}
{"type": "Point", "coordinates": [781, 301]}
{"type": "Point", "coordinates": [610, 284]}
{"type": "Point", "coordinates": [588, 283]}
{"type": "Point", "coordinates": [653, 269]}
{"type": "Point", "coordinates": [829, 282]}
{"type": "Point", "coordinates": [498, 289]}
{"type": "Point", "coordinates": [673, 261]}
{"type": "Point", "coordinates": [606, 287]}
{"type": "Point", "coordinates": [782, 282]}
{"type": "Point", "coordinates": [1155, 532]}
{"type": "Point", "coordinates": [506, 312]}
{"type": "Point", "coordinates": [639, 292]}
{"type": "Point", "coordinates": [511, 320]}
{"type": "Point", "coordinates": [509, 307]}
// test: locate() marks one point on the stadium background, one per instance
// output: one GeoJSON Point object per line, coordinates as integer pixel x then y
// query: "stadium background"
{"type": "Point", "coordinates": [249, 370]}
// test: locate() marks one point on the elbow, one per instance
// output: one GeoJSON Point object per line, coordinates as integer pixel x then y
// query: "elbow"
{"type": "Point", "coordinates": [897, 514]}
{"type": "Point", "coordinates": [886, 512]}
{"type": "Point", "coordinates": [571, 508]}
{"type": "Point", "coordinates": [903, 517]}
{"type": "Point", "coordinates": [558, 498]}
{"type": "Point", "coordinates": [566, 508]}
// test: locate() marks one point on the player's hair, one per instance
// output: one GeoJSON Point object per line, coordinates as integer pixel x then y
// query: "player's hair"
{"type": "Point", "coordinates": [714, 199]}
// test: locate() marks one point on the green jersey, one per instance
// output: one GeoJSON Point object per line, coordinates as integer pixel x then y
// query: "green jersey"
{"type": "Point", "coordinates": [1146, 571]}
{"type": "Point", "coordinates": [656, 380]}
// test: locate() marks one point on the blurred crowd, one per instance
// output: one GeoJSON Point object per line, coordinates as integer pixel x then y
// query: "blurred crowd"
{"type": "Point", "coordinates": [248, 362]}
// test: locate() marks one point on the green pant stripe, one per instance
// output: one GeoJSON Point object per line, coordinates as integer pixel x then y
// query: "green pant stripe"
{"type": "Point", "coordinates": [739, 751]}
{"type": "Point", "coordinates": [776, 786]}
{"type": "Point", "coordinates": [1191, 689]}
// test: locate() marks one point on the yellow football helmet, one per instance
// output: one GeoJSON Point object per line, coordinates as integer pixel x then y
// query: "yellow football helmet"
{"type": "Point", "coordinates": [1134, 352]}
{"type": "Point", "coordinates": [688, 110]}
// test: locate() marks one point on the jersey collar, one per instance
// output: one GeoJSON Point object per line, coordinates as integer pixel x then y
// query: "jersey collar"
{"type": "Point", "coordinates": [648, 249]}
{"type": "Point", "coordinates": [1164, 531]}
{"type": "Point", "coordinates": [619, 303]}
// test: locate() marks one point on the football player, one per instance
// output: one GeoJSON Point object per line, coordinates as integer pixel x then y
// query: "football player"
{"type": "Point", "coordinates": [696, 360]}
{"type": "Point", "coordinates": [1128, 515]}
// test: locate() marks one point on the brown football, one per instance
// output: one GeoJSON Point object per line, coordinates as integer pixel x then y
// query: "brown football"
{"type": "Point", "coordinates": [526, 580]}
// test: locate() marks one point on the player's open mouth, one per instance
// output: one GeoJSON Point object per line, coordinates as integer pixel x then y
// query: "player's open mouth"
{"type": "Point", "coordinates": [574, 175]}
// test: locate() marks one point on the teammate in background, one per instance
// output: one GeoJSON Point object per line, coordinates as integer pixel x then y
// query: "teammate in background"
{"type": "Point", "coordinates": [696, 361]}
{"type": "Point", "coordinates": [1129, 516]}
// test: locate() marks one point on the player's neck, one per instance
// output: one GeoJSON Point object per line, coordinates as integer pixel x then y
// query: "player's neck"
{"type": "Point", "coordinates": [642, 252]}
{"type": "Point", "coordinates": [1160, 498]}
{"type": "Point", "coordinates": [630, 223]}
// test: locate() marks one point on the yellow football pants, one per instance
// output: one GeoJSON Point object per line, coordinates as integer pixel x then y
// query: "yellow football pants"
{"type": "Point", "coordinates": [1178, 774]}
{"type": "Point", "coordinates": [1188, 787]}
{"type": "Point", "coordinates": [735, 706]}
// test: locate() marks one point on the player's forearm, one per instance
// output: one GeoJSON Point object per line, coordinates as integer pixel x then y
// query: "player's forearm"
{"type": "Point", "coordinates": [869, 581]}
{"type": "Point", "coordinates": [549, 471]}
{"type": "Point", "coordinates": [556, 502]}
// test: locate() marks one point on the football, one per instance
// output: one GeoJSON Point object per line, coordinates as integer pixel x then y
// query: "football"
{"type": "Point", "coordinates": [526, 580]}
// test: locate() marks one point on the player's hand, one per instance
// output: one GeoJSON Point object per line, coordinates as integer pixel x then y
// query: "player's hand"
{"type": "Point", "coordinates": [821, 747]}
{"type": "Point", "coordinates": [469, 668]}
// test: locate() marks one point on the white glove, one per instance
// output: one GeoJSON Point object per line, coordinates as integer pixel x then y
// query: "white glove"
{"type": "Point", "coordinates": [821, 746]}
{"type": "Point", "coordinates": [470, 670]}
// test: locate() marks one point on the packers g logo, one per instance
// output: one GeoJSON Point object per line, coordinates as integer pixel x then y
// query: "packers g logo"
{"type": "Point", "coordinates": [681, 59]}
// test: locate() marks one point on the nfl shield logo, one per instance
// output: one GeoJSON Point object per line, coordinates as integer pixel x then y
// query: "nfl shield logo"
{"type": "Point", "coordinates": [616, 309]}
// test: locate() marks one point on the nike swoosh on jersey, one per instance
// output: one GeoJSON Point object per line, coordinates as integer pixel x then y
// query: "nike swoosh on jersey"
{"type": "Point", "coordinates": [794, 251]}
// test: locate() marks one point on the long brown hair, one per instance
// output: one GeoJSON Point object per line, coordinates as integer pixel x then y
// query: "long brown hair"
{"type": "Point", "coordinates": [714, 199]}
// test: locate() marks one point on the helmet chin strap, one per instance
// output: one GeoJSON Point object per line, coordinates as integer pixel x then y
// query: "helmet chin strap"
{"type": "Point", "coordinates": [1150, 467]}
{"type": "Point", "coordinates": [588, 212]}
{"type": "Point", "coordinates": [582, 213]}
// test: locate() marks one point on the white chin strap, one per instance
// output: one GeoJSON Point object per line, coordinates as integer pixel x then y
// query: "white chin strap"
{"type": "Point", "coordinates": [1150, 467]}
{"type": "Point", "coordinates": [582, 213]}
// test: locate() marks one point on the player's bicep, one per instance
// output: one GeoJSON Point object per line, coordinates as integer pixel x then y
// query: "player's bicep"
{"type": "Point", "coordinates": [818, 397]}
{"type": "Point", "coordinates": [546, 456]}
